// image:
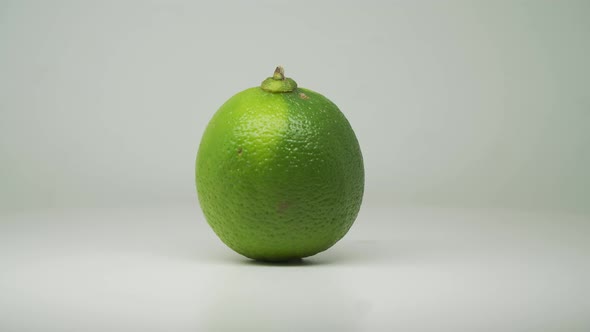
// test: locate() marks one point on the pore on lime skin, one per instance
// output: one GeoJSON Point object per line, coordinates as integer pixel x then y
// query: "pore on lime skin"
{"type": "Point", "coordinates": [279, 172]}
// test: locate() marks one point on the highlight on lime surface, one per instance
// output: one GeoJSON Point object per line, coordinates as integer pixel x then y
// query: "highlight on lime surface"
{"type": "Point", "coordinates": [279, 172]}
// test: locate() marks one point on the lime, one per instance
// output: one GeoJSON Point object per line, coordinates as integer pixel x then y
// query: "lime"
{"type": "Point", "coordinates": [279, 172]}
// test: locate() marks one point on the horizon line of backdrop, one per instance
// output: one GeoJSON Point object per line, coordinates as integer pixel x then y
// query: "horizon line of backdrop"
{"type": "Point", "coordinates": [455, 103]}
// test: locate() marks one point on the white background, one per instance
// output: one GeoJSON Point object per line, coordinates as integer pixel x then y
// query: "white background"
{"type": "Point", "coordinates": [473, 118]}
{"type": "Point", "coordinates": [454, 103]}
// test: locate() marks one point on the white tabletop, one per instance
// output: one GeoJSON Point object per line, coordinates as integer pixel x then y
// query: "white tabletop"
{"type": "Point", "coordinates": [396, 270]}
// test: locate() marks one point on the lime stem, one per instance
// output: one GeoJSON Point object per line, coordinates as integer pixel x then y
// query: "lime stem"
{"type": "Point", "coordinates": [278, 82]}
{"type": "Point", "coordinates": [279, 73]}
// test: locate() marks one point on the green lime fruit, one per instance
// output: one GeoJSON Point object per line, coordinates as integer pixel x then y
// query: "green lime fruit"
{"type": "Point", "coordinates": [279, 172]}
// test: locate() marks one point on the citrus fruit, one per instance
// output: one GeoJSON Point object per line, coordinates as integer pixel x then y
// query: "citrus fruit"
{"type": "Point", "coordinates": [279, 172]}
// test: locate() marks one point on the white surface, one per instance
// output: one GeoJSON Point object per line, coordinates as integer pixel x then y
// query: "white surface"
{"type": "Point", "coordinates": [397, 270]}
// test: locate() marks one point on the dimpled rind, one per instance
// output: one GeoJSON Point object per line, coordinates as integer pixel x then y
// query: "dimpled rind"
{"type": "Point", "coordinates": [279, 175]}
